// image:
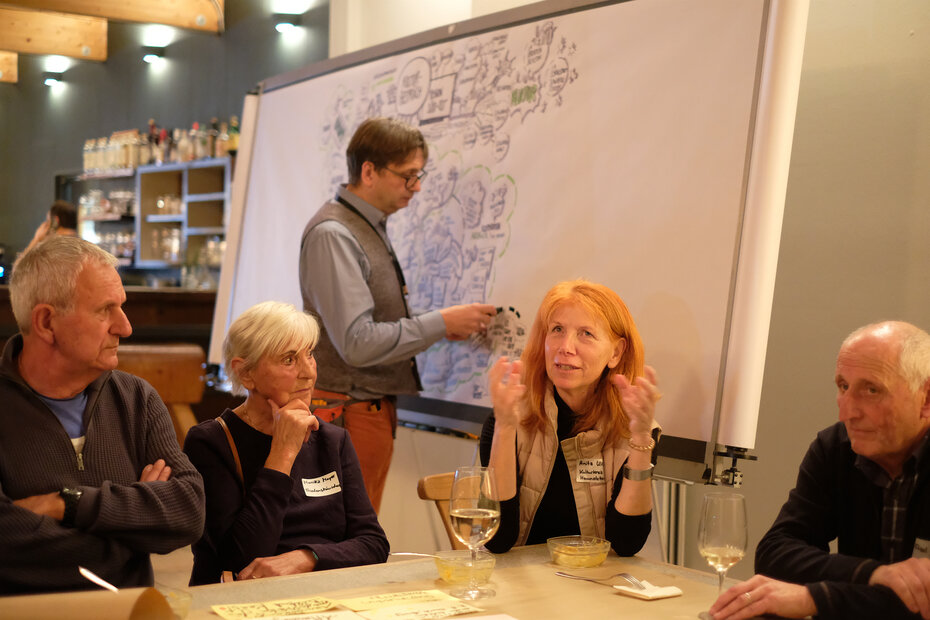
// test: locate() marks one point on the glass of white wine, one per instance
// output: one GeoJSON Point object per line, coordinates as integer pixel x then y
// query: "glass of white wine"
{"type": "Point", "coordinates": [722, 534]}
{"type": "Point", "coordinates": [476, 515]}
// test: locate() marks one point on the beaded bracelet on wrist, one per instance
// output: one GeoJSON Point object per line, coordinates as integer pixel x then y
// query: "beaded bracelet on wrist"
{"type": "Point", "coordinates": [646, 448]}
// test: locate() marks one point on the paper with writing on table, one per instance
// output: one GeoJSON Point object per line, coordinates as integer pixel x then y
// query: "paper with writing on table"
{"type": "Point", "coordinates": [376, 601]}
{"type": "Point", "coordinates": [332, 614]}
{"type": "Point", "coordinates": [427, 610]}
{"type": "Point", "coordinates": [284, 607]}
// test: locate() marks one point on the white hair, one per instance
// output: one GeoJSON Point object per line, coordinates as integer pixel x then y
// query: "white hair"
{"type": "Point", "coordinates": [268, 329]}
{"type": "Point", "coordinates": [914, 353]}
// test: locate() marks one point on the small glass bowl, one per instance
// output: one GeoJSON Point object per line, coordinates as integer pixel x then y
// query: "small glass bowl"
{"type": "Point", "coordinates": [578, 551]}
{"type": "Point", "coordinates": [455, 566]}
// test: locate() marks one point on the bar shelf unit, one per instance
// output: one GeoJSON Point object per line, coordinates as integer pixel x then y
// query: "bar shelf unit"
{"type": "Point", "coordinates": [200, 191]}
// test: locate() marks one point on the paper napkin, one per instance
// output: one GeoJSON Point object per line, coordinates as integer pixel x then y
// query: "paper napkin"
{"type": "Point", "coordinates": [651, 592]}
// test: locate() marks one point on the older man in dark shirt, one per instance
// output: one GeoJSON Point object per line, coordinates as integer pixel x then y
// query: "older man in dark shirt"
{"type": "Point", "coordinates": [91, 473]}
{"type": "Point", "coordinates": [865, 482]}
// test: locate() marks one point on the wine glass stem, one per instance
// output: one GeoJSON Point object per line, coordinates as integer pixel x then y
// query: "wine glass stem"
{"type": "Point", "coordinates": [473, 576]}
{"type": "Point", "coordinates": [721, 575]}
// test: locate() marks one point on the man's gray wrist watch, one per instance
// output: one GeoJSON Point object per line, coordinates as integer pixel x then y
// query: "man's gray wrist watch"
{"type": "Point", "coordinates": [637, 475]}
{"type": "Point", "coordinates": [71, 497]}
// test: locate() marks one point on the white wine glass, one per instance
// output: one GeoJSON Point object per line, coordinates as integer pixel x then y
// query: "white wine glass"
{"type": "Point", "coordinates": [476, 515]}
{"type": "Point", "coordinates": [722, 534]}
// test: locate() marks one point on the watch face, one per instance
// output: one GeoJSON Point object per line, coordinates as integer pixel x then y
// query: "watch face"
{"type": "Point", "coordinates": [71, 498]}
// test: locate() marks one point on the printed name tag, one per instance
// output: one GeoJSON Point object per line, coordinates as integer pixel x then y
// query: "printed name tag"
{"type": "Point", "coordinates": [921, 548]}
{"type": "Point", "coordinates": [590, 470]}
{"type": "Point", "coordinates": [324, 485]}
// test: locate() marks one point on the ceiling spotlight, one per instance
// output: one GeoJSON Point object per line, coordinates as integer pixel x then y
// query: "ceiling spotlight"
{"type": "Point", "coordinates": [151, 54]}
{"type": "Point", "coordinates": [285, 22]}
{"type": "Point", "coordinates": [51, 78]}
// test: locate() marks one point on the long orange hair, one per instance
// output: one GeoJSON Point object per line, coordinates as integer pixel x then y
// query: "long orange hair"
{"type": "Point", "coordinates": [604, 403]}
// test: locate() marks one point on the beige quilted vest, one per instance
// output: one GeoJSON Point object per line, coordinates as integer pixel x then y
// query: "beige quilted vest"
{"type": "Point", "coordinates": [536, 452]}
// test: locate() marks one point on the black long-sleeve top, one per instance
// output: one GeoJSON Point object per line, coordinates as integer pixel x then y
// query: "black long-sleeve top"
{"type": "Point", "coordinates": [557, 514]}
{"type": "Point", "coordinates": [308, 509]}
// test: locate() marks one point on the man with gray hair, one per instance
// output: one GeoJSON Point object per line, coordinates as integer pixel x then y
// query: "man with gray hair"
{"type": "Point", "coordinates": [91, 473]}
{"type": "Point", "coordinates": [864, 483]}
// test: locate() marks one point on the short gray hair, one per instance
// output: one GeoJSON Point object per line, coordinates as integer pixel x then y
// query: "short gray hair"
{"type": "Point", "coordinates": [914, 354]}
{"type": "Point", "coordinates": [48, 273]}
{"type": "Point", "coordinates": [268, 329]}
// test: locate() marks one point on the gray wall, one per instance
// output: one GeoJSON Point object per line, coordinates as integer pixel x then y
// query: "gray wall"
{"type": "Point", "coordinates": [855, 245]}
{"type": "Point", "coordinates": [42, 132]}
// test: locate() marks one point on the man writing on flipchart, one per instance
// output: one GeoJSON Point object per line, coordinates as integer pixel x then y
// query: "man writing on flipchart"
{"type": "Point", "coordinates": [351, 280]}
{"type": "Point", "coordinates": [865, 483]}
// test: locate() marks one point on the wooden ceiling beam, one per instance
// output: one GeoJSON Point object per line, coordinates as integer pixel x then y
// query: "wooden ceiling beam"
{"type": "Point", "coordinates": [206, 15]}
{"type": "Point", "coordinates": [8, 67]}
{"type": "Point", "coordinates": [40, 32]}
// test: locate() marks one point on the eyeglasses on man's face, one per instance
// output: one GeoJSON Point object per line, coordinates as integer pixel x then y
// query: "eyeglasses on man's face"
{"type": "Point", "coordinates": [410, 180]}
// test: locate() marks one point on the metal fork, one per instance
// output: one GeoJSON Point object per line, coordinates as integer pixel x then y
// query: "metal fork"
{"type": "Point", "coordinates": [636, 583]}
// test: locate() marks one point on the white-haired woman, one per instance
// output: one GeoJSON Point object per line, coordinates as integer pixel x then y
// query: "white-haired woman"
{"type": "Point", "coordinates": [284, 491]}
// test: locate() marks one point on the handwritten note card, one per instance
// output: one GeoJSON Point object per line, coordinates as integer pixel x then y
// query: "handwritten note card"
{"type": "Point", "coordinates": [428, 610]}
{"type": "Point", "coordinates": [377, 601]}
{"type": "Point", "coordinates": [332, 614]}
{"type": "Point", "coordinates": [284, 607]}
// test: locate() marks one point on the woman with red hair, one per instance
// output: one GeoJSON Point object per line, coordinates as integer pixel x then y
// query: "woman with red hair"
{"type": "Point", "coordinates": [573, 429]}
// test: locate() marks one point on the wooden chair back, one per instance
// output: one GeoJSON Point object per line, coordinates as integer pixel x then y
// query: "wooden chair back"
{"type": "Point", "coordinates": [176, 373]}
{"type": "Point", "coordinates": [438, 488]}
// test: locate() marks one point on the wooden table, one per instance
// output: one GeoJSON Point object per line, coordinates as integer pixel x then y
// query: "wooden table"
{"type": "Point", "coordinates": [524, 579]}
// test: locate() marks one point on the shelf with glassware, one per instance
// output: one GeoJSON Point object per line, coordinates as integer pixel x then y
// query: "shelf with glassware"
{"type": "Point", "coordinates": [105, 205]}
{"type": "Point", "coordinates": [182, 218]}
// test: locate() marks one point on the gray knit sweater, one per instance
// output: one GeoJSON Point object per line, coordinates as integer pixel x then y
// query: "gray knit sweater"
{"type": "Point", "coordinates": [119, 521]}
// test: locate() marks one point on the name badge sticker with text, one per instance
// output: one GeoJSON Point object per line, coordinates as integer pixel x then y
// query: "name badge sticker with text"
{"type": "Point", "coordinates": [590, 470]}
{"type": "Point", "coordinates": [921, 548]}
{"type": "Point", "coordinates": [322, 486]}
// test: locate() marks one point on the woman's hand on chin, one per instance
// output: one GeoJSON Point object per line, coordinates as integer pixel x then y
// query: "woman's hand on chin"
{"type": "Point", "coordinates": [293, 424]}
{"type": "Point", "coordinates": [639, 400]}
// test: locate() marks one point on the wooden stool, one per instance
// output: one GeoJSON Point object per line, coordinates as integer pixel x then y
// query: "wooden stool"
{"type": "Point", "coordinates": [176, 373]}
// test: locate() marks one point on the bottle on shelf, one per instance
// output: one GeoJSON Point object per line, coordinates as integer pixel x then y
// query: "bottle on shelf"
{"type": "Point", "coordinates": [88, 155]}
{"type": "Point", "coordinates": [152, 141]}
{"type": "Point", "coordinates": [163, 150]}
{"type": "Point", "coordinates": [233, 143]}
{"type": "Point", "coordinates": [143, 151]}
{"type": "Point", "coordinates": [185, 147]}
{"type": "Point", "coordinates": [198, 142]}
{"type": "Point", "coordinates": [222, 140]}
{"type": "Point", "coordinates": [212, 134]}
